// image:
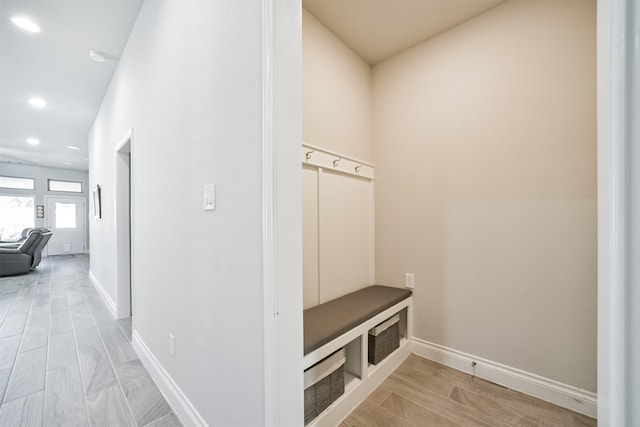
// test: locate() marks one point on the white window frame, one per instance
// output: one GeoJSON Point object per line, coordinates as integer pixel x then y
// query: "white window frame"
{"type": "Point", "coordinates": [33, 182]}
{"type": "Point", "coordinates": [49, 180]}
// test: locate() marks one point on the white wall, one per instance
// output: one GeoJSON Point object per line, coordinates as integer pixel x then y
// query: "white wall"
{"type": "Point", "coordinates": [190, 85]}
{"type": "Point", "coordinates": [336, 87]}
{"type": "Point", "coordinates": [41, 175]}
{"type": "Point", "coordinates": [485, 150]}
{"type": "Point", "coordinates": [337, 208]}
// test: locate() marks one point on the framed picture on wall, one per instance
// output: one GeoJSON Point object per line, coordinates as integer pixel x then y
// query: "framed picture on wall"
{"type": "Point", "coordinates": [97, 202]}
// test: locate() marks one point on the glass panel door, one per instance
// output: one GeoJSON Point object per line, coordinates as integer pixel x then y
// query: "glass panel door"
{"type": "Point", "coordinates": [65, 215]}
{"type": "Point", "coordinates": [66, 219]}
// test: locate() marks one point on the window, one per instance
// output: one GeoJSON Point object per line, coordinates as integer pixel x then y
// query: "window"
{"type": "Point", "coordinates": [65, 215]}
{"type": "Point", "coordinates": [17, 183]}
{"type": "Point", "coordinates": [68, 186]}
{"type": "Point", "coordinates": [16, 214]}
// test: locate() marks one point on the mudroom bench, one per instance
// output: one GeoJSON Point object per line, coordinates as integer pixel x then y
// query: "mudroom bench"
{"type": "Point", "coordinates": [351, 344]}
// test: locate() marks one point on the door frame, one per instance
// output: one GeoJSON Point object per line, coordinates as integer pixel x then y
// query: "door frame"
{"type": "Point", "coordinates": [84, 218]}
{"type": "Point", "coordinates": [618, 205]}
{"type": "Point", "coordinates": [123, 221]}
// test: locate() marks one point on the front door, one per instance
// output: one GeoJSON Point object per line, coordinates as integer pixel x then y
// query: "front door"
{"type": "Point", "coordinates": [65, 217]}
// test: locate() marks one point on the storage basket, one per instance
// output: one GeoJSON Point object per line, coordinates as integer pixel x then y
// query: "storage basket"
{"type": "Point", "coordinates": [323, 384]}
{"type": "Point", "coordinates": [384, 339]}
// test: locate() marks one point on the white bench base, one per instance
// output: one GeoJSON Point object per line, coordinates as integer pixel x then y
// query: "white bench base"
{"type": "Point", "coordinates": [361, 378]}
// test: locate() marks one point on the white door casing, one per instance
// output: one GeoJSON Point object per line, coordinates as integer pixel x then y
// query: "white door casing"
{"type": "Point", "coordinates": [123, 237]}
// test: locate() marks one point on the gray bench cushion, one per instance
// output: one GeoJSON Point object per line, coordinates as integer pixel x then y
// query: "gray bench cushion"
{"type": "Point", "coordinates": [328, 321]}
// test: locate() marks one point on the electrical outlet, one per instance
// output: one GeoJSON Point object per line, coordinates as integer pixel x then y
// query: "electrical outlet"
{"type": "Point", "coordinates": [172, 345]}
{"type": "Point", "coordinates": [408, 280]}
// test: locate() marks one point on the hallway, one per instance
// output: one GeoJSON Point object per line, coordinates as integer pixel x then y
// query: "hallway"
{"type": "Point", "coordinates": [64, 361]}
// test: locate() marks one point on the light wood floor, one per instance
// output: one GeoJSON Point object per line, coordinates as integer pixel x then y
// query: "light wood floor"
{"type": "Point", "coordinates": [424, 393]}
{"type": "Point", "coordinates": [64, 361]}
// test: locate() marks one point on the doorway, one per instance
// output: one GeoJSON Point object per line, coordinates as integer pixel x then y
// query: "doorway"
{"type": "Point", "coordinates": [65, 217]}
{"type": "Point", "coordinates": [124, 288]}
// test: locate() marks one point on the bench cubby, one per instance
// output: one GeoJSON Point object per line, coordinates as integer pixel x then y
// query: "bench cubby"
{"type": "Point", "coordinates": [327, 331]}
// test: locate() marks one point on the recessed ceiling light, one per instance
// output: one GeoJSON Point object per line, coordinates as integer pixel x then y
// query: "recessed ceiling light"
{"type": "Point", "coordinates": [33, 141]}
{"type": "Point", "coordinates": [73, 147]}
{"type": "Point", "coordinates": [68, 164]}
{"type": "Point", "coordinates": [25, 24]}
{"type": "Point", "coordinates": [37, 102]}
{"type": "Point", "coordinates": [96, 55]}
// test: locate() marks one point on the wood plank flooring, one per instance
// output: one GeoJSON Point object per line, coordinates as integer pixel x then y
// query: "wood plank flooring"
{"type": "Point", "coordinates": [64, 361]}
{"type": "Point", "coordinates": [425, 393]}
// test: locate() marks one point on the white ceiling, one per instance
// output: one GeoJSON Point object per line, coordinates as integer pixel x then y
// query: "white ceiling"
{"type": "Point", "coordinates": [55, 65]}
{"type": "Point", "coordinates": [379, 29]}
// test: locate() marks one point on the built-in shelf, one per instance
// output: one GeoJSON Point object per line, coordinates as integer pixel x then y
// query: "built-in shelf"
{"type": "Point", "coordinates": [350, 382]}
{"type": "Point", "coordinates": [371, 368]}
{"type": "Point", "coordinates": [361, 377]}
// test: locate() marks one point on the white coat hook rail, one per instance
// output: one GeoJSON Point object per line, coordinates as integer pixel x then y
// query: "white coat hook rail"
{"type": "Point", "coordinates": [328, 160]}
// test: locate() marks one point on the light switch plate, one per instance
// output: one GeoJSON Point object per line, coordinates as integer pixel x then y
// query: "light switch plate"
{"type": "Point", "coordinates": [209, 197]}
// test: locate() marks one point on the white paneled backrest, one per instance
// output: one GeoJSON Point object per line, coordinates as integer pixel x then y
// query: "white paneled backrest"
{"type": "Point", "coordinates": [345, 234]}
{"type": "Point", "coordinates": [338, 217]}
{"type": "Point", "coordinates": [310, 232]}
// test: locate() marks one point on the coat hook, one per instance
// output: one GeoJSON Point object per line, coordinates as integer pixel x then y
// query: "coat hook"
{"type": "Point", "coordinates": [336, 161]}
{"type": "Point", "coordinates": [308, 154]}
{"type": "Point", "coordinates": [358, 168]}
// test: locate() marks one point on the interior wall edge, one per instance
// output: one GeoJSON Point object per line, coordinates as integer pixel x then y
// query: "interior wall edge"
{"type": "Point", "coordinates": [605, 259]}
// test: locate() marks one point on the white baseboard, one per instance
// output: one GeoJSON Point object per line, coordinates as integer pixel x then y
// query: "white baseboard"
{"type": "Point", "coordinates": [178, 401]}
{"type": "Point", "coordinates": [578, 400]}
{"type": "Point", "coordinates": [111, 305]}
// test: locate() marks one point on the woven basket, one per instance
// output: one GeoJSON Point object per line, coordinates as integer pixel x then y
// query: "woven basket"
{"type": "Point", "coordinates": [324, 383]}
{"type": "Point", "coordinates": [384, 339]}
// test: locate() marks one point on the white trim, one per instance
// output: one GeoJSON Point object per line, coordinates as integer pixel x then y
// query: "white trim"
{"type": "Point", "coordinates": [331, 161]}
{"type": "Point", "coordinates": [129, 136]}
{"type": "Point", "coordinates": [122, 214]}
{"type": "Point", "coordinates": [582, 401]}
{"type": "Point", "coordinates": [270, 323]}
{"type": "Point", "coordinates": [108, 301]}
{"type": "Point", "coordinates": [282, 215]}
{"type": "Point", "coordinates": [333, 153]}
{"type": "Point", "coordinates": [181, 405]}
{"type": "Point", "coordinates": [607, 188]}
